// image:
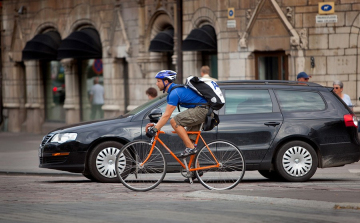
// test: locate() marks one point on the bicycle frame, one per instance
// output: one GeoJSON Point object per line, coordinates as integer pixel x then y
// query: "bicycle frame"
{"type": "Point", "coordinates": [198, 133]}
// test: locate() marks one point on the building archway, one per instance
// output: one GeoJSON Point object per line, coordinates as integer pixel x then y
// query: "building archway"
{"type": "Point", "coordinates": [205, 27]}
{"type": "Point", "coordinates": [44, 81]}
{"type": "Point", "coordinates": [160, 41]}
{"type": "Point", "coordinates": [81, 56]}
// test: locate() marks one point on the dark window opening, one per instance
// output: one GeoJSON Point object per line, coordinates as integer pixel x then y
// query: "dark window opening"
{"type": "Point", "coordinates": [210, 59]}
{"type": "Point", "coordinates": [271, 65]}
{"type": "Point", "coordinates": [53, 74]}
{"type": "Point", "coordinates": [91, 96]}
{"type": "Point", "coordinates": [170, 65]}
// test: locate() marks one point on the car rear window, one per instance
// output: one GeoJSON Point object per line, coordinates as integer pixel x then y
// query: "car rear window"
{"type": "Point", "coordinates": [247, 101]}
{"type": "Point", "coordinates": [299, 101]}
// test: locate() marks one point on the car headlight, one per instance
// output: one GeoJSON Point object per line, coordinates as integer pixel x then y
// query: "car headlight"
{"type": "Point", "coordinates": [64, 137]}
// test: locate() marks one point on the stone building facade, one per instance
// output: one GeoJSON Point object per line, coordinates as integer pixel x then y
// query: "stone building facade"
{"type": "Point", "coordinates": [265, 39]}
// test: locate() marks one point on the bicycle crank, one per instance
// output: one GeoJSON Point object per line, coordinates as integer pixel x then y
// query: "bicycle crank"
{"type": "Point", "coordinates": [189, 174]}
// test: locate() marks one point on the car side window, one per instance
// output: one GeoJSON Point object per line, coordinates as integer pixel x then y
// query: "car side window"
{"type": "Point", "coordinates": [247, 102]}
{"type": "Point", "coordinates": [299, 101]}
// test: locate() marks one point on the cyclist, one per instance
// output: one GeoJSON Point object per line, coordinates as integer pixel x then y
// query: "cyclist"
{"type": "Point", "coordinates": [192, 118]}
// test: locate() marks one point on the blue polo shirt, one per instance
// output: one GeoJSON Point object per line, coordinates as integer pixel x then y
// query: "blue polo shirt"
{"type": "Point", "coordinates": [183, 96]}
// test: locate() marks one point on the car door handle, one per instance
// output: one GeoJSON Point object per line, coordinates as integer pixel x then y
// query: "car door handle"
{"type": "Point", "coordinates": [272, 123]}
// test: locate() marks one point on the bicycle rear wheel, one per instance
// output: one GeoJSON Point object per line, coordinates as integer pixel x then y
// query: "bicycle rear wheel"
{"type": "Point", "coordinates": [231, 170]}
{"type": "Point", "coordinates": [133, 174]}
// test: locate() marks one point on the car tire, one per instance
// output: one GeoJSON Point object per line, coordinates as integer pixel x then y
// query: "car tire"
{"type": "Point", "coordinates": [296, 161]}
{"type": "Point", "coordinates": [271, 175]}
{"type": "Point", "coordinates": [102, 162]}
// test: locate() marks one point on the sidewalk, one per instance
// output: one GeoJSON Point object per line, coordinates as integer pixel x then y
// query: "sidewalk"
{"type": "Point", "coordinates": [19, 154]}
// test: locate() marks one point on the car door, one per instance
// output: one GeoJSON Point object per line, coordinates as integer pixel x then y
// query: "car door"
{"type": "Point", "coordinates": [251, 119]}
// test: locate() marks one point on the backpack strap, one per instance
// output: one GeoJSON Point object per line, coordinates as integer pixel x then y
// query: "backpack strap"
{"type": "Point", "coordinates": [177, 86]}
{"type": "Point", "coordinates": [178, 106]}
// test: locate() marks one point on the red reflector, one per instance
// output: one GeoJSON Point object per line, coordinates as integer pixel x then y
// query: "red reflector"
{"type": "Point", "coordinates": [350, 120]}
{"type": "Point", "coordinates": [54, 89]}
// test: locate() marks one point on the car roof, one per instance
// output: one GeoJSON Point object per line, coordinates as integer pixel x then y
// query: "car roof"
{"type": "Point", "coordinates": [274, 84]}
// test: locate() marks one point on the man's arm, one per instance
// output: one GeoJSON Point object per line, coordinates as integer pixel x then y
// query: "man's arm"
{"type": "Point", "coordinates": [165, 117]}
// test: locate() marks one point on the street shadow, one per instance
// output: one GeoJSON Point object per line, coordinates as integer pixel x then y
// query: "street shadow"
{"type": "Point", "coordinates": [195, 181]}
{"type": "Point", "coordinates": [67, 181]}
{"type": "Point", "coordinates": [309, 181]}
{"type": "Point", "coordinates": [185, 181]}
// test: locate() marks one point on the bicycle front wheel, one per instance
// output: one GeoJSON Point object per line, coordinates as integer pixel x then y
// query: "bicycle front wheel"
{"type": "Point", "coordinates": [231, 169]}
{"type": "Point", "coordinates": [134, 172]}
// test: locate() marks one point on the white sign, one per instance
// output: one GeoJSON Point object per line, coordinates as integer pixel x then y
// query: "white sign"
{"type": "Point", "coordinates": [326, 19]}
{"type": "Point", "coordinates": [231, 23]}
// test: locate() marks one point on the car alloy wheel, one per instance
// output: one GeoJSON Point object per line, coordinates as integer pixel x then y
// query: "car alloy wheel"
{"type": "Point", "coordinates": [296, 161]}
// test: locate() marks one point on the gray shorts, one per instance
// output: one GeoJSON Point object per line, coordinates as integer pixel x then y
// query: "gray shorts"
{"type": "Point", "coordinates": [192, 119]}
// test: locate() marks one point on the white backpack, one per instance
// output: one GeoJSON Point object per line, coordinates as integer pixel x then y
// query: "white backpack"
{"type": "Point", "coordinates": [207, 88]}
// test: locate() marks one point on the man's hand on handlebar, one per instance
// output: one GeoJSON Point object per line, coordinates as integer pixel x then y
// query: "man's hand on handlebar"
{"type": "Point", "coordinates": [150, 129]}
{"type": "Point", "coordinates": [149, 125]}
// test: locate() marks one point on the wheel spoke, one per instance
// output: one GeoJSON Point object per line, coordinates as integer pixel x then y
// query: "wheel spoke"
{"type": "Point", "coordinates": [232, 168]}
{"type": "Point", "coordinates": [136, 174]}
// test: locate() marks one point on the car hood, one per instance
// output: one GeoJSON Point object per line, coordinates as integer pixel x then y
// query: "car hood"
{"type": "Point", "coordinates": [78, 127]}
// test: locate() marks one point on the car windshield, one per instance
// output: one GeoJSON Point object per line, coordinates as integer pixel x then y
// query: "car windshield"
{"type": "Point", "coordinates": [143, 106]}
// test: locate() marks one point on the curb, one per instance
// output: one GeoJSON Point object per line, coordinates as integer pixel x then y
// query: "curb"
{"type": "Point", "coordinates": [278, 201]}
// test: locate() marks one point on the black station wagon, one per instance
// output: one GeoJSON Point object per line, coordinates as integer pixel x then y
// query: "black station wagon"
{"type": "Point", "coordinates": [285, 129]}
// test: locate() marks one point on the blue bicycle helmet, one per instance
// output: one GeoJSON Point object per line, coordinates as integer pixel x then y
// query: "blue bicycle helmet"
{"type": "Point", "coordinates": [166, 75]}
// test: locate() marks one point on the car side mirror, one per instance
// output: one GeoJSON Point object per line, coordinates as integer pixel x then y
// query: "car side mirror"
{"type": "Point", "coordinates": [155, 115]}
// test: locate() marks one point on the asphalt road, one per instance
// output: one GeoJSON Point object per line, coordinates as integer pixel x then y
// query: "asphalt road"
{"type": "Point", "coordinates": [45, 198]}
{"type": "Point", "coordinates": [31, 194]}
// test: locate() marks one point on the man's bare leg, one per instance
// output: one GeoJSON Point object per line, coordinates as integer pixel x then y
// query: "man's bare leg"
{"type": "Point", "coordinates": [182, 134]}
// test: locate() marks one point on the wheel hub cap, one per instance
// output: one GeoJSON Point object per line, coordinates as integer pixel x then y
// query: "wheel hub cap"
{"type": "Point", "coordinates": [297, 161]}
{"type": "Point", "coordinates": [105, 161]}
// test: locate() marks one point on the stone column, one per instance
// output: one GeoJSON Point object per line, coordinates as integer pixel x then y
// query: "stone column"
{"type": "Point", "coordinates": [35, 97]}
{"type": "Point", "coordinates": [114, 88]}
{"type": "Point", "coordinates": [72, 100]}
{"type": "Point", "coordinates": [292, 64]}
{"type": "Point", "coordinates": [14, 95]}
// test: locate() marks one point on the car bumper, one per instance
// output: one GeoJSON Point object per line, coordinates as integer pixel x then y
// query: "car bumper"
{"type": "Point", "coordinates": [339, 154]}
{"type": "Point", "coordinates": [62, 157]}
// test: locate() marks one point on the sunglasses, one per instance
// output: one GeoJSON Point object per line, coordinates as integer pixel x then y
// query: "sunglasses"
{"type": "Point", "coordinates": [336, 88]}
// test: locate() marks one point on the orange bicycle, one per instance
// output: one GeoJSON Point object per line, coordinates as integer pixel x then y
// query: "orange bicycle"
{"type": "Point", "coordinates": [219, 165]}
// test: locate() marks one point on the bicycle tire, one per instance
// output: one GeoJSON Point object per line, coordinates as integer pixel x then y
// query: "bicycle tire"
{"type": "Point", "coordinates": [137, 177]}
{"type": "Point", "coordinates": [232, 168]}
